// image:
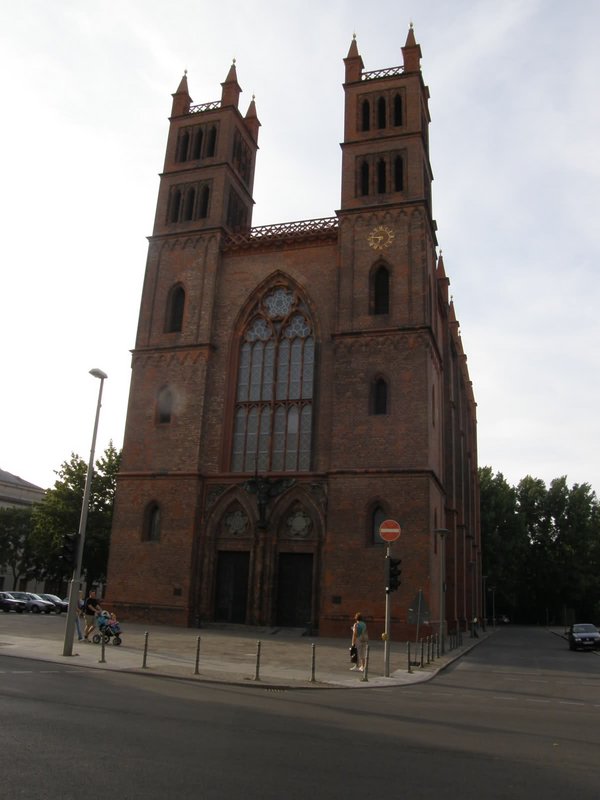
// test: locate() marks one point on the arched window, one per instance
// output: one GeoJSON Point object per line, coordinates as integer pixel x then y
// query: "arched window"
{"type": "Point", "coordinates": [364, 178]}
{"type": "Point", "coordinates": [380, 291]}
{"type": "Point", "coordinates": [182, 146]}
{"type": "Point", "coordinates": [164, 406]}
{"type": "Point", "coordinates": [381, 113]}
{"type": "Point", "coordinates": [381, 176]}
{"type": "Point", "coordinates": [379, 397]}
{"type": "Point", "coordinates": [197, 145]}
{"type": "Point", "coordinates": [151, 526]}
{"type": "Point", "coordinates": [211, 144]}
{"type": "Point", "coordinates": [203, 204]}
{"type": "Point", "coordinates": [398, 174]}
{"type": "Point", "coordinates": [366, 115]}
{"type": "Point", "coordinates": [377, 517]}
{"type": "Point", "coordinates": [175, 206]}
{"type": "Point", "coordinates": [190, 202]}
{"type": "Point", "coordinates": [175, 307]}
{"type": "Point", "coordinates": [273, 412]}
{"type": "Point", "coordinates": [397, 110]}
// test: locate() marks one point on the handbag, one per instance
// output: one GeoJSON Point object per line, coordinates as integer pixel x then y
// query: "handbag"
{"type": "Point", "coordinates": [353, 654]}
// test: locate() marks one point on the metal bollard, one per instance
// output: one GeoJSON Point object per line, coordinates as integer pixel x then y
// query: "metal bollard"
{"type": "Point", "coordinates": [102, 646]}
{"type": "Point", "coordinates": [408, 654]}
{"type": "Point", "coordinates": [257, 671]}
{"type": "Point", "coordinates": [196, 670]}
{"type": "Point", "coordinates": [313, 662]}
{"type": "Point", "coordinates": [365, 676]}
{"type": "Point", "coordinates": [144, 664]}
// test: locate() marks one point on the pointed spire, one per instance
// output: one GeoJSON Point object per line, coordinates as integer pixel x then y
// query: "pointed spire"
{"type": "Point", "coordinates": [441, 272]}
{"type": "Point", "coordinates": [411, 52]}
{"type": "Point", "coordinates": [181, 99]}
{"type": "Point", "coordinates": [354, 63]}
{"type": "Point", "coordinates": [251, 120]}
{"type": "Point", "coordinates": [231, 89]}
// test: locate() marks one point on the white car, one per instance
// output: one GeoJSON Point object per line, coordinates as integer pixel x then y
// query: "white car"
{"type": "Point", "coordinates": [34, 602]}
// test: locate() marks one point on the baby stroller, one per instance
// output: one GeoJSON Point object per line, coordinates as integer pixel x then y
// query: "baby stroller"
{"type": "Point", "coordinates": [108, 628]}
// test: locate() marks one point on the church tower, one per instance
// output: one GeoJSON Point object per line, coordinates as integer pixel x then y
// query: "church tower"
{"type": "Point", "coordinates": [295, 385]}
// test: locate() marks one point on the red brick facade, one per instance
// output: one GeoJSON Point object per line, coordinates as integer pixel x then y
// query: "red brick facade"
{"type": "Point", "coordinates": [293, 385]}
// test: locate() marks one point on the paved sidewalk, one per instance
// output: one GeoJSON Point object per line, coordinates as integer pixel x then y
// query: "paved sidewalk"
{"type": "Point", "coordinates": [229, 655]}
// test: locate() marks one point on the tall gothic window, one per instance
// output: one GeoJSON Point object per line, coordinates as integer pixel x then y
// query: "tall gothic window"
{"type": "Point", "coordinates": [378, 516]}
{"type": "Point", "coordinates": [380, 291]}
{"type": "Point", "coordinates": [175, 308]}
{"type": "Point", "coordinates": [273, 411]}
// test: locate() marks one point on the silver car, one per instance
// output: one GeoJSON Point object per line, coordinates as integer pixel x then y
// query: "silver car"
{"type": "Point", "coordinates": [34, 602]}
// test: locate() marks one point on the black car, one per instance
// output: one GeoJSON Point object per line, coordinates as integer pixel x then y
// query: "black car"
{"type": "Point", "coordinates": [10, 603]}
{"type": "Point", "coordinates": [584, 636]}
{"type": "Point", "coordinates": [59, 605]}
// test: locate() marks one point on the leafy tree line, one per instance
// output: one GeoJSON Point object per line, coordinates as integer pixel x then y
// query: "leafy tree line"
{"type": "Point", "coordinates": [31, 539]}
{"type": "Point", "coordinates": [541, 549]}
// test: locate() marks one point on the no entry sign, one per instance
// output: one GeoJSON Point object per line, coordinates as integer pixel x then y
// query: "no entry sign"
{"type": "Point", "coordinates": [389, 530]}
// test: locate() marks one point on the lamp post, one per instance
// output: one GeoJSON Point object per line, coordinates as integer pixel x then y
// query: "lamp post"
{"type": "Point", "coordinates": [76, 579]}
{"type": "Point", "coordinates": [442, 534]}
{"type": "Point", "coordinates": [493, 591]}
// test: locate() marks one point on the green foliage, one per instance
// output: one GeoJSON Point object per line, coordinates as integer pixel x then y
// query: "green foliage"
{"type": "Point", "coordinates": [15, 537]}
{"type": "Point", "coordinates": [541, 548]}
{"type": "Point", "coordinates": [59, 513]}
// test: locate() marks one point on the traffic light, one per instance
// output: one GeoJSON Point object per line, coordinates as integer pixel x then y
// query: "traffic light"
{"type": "Point", "coordinates": [68, 554]}
{"type": "Point", "coordinates": [393, 573]}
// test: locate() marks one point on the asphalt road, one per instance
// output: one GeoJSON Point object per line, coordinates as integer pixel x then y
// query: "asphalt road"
{"type": "Point", "coordinates": [517, 717]}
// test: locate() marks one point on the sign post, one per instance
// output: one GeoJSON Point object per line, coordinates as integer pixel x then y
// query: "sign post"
{"type": "Point", "coordinates": [389, 530]}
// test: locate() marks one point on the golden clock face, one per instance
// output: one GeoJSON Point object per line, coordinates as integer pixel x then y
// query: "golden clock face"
{"type": "Point", "coordinates": [381, 237]}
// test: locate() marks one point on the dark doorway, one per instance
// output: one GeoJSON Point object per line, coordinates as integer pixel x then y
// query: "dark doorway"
{"type": "Point", "coordinates": [231, 597]}
{"type": "Point", "coordinates": [294, 590]}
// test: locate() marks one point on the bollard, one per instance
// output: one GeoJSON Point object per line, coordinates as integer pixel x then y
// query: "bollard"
{"type": "Point", "coordinates": [196, 670]}
{"type": "Point", "coordinates": [102, 646]}
{"type": "Point", "coordinates": [409, 662]}
{"type": "Point", "coordinates": [428, 649]}
{"type": "Point", "coordinates": [144, 664]}
{"type": "Point", "coordinates": [257, 671]}
{"type": "Point", "coordinates": [365, 676]}
{"type": "Point", "coordinates": [422, 652]}
{"type": "Point", "coordinates": [312, 668]}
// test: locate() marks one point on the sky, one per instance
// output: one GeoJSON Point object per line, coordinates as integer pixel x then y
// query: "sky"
{"type": "Point", "coordinates": [85, 95]}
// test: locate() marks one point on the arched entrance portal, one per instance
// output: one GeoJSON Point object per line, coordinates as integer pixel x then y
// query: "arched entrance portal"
{"type": "Point", "coordinates": [295, 590]}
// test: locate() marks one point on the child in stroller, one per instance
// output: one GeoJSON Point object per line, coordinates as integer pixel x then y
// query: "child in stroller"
{"type": "Point", "coordinates": [108, 628]}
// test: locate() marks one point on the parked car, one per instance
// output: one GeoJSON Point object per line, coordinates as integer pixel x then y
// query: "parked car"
{"type": "Point", "coordinates": [584, 636]}
{"type": "Point", "coordinates": [59, 605]}
{"type": "Point", "coordinates": [34, 602]}
{"type": "Point", "coordinates": [10, 603]}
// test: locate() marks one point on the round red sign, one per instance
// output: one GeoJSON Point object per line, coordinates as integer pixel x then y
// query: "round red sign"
{"type": "Point", "coordinates": [389, 530]}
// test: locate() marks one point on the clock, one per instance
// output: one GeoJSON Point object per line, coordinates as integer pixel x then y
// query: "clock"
{"type": "Point", "coordinates": [380, 237]}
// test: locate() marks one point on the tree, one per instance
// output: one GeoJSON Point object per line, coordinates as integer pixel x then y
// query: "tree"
{"type": "Point", "coordinates": [504, 542]}
{"type": "Point", "coordinates": [15, 545]}
{"type": "Point", "coordinates": [541, 548]}
{"type": "Point", "coordinates": [59, 513]}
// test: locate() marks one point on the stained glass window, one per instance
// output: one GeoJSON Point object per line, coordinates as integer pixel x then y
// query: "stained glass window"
{"type": "Point", "coordinates": [273, 414]}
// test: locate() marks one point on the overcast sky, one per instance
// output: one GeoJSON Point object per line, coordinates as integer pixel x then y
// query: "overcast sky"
{"type": "Point", "coordinates": [85, 98]}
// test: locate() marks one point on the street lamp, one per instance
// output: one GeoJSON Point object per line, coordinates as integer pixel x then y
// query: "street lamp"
{"type": "Point", "coordinates": [76, 579]}
{"type": "Point", "coordinates": [442, 534]}
{"type": "Point", "coordinates": [493, 591]}
{"type": "Point", "coordinates": [484, 621]}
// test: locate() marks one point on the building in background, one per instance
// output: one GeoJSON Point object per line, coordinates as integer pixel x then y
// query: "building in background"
{"type": "Point", "coordinates": [296, 384]}
{"type": "Point", "coordinates": [16, 493]}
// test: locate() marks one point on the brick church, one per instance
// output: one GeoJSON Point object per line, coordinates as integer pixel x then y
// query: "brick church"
{"type": "Point", "coordinates": [294, 385]}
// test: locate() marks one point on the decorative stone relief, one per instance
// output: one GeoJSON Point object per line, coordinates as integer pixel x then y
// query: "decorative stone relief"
{"type": "Point", "coordinates": [298, 525]}
{"type": "Point", "coordinates": [234, 524]}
